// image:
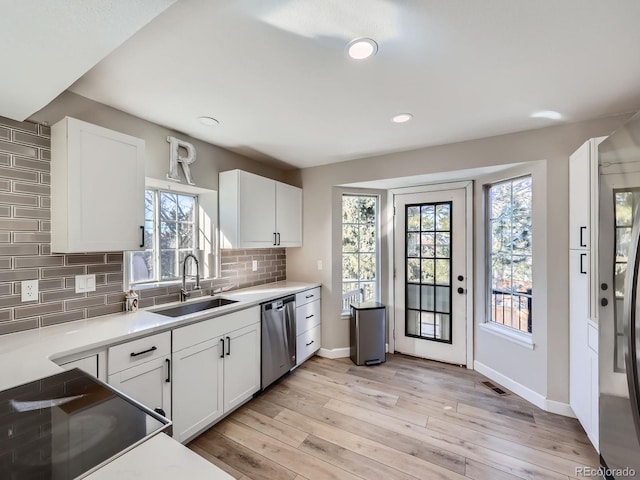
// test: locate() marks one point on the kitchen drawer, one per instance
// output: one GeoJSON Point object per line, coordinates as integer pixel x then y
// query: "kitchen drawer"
{"type": "Point", "coordinates": [138, 351]}
{"type": "Point", "coordinates": [190, 335]}
{"type": "Point", "coordinates": [307, 316]}
{"type": "Point", "coordinates": [307, 344]}
{"type": "Point", "coordinates": [307, 296]}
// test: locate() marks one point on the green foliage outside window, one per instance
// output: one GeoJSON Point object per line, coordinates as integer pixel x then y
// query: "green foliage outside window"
{"type": "Point", "coordinates": [359, 245]}
{"type": "Point", "coordinates": [510, 253]}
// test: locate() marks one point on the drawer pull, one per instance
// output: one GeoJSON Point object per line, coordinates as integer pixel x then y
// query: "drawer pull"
{"type": "Point", "coordinates": [310, 296]}
{"type": "Point", "coordinates": [310, 342]}
{"type": "Point", "coordinates": [134, 354]}
{"type": "Point", "coordinates": [309, 316]}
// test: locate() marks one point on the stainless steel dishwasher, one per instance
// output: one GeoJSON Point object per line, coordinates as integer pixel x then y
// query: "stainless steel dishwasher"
{"type": "Point", "coordinates": [278, 339]}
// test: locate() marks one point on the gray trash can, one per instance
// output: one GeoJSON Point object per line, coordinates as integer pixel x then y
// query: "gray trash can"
{"type": "Point", "coordinates": [368, 333]}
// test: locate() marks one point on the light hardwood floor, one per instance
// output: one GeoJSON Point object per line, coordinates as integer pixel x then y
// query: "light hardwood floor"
{"type": "Point", "coordinates": [405, 419]}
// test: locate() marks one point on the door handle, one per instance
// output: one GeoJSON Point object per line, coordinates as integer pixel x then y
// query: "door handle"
{"type": "Point", "coordinates": [228, 345]}
{"type": "Point", "coordinates": [582, 230]}
{"type": "Point", "coordinates": [168, 379]}
{"type": "Point", "coordinates": [141, 236]}
{"type": "Point", "coordinates": [222, 348]}
{"type": "Point", "coordinates": [274, 239]}
{"type": "Point", "coordinates": [582, 257]}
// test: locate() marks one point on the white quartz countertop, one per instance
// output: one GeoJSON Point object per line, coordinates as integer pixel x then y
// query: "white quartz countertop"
{"type": "Point", "coordinates": [160, 458]}
{"type": "Point", "coordinates": [30, 355]}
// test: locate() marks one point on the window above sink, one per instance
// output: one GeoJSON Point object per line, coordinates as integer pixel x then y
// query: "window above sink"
{"type": "Point", "coordinates": [179, 219]}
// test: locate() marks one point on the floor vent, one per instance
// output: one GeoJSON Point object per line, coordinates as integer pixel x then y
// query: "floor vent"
{"type": "Point", "coordinates": [495, 388]}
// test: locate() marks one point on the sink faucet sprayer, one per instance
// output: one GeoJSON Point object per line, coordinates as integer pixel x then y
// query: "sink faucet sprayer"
{"type": "Point", "coordinates": [183, 292]}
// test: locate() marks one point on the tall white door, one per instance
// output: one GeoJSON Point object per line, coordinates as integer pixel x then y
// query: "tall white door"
{"type": "Point", "coordinates": [430, 275]}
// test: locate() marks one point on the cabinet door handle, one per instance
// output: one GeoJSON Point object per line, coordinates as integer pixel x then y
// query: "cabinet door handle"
{"type": "Point", "coordinates": [582, 257]}
{"type": "Point", "coordinates": [222, 348]}
{"type": "Point", "coordinates": [228, 345]}
{"type": "Point", "coordinates": [278, 238]}
{"type": "Point", "coordinates": [310, 342]}
{"type": "Point", "coordinates": [275, 236]}
{"type": "Point", "coordinates": [168, 379]}
{"type": "Point", "coordinates": [141, 236]}
{"type": "Point", "coordinates": [309, 316]}
{"type": "Point", "coordinates": [135, 354]}
{"type": "Point", "coordinates": [582, 230]}
{"type": "Point", "coordinates": [160, 411]}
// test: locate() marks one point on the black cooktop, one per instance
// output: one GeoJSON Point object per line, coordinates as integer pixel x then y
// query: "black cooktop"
{"type": "Point", "coordinates": [64, 426]}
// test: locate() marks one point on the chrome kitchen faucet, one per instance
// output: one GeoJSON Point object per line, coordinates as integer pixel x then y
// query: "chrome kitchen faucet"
{"type": "Point", "coordinates": [183, 291]}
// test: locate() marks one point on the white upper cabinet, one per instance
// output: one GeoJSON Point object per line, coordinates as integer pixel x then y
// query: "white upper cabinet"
{"type": "Point", "coordinates": [580, 197]}
{"type": "Point", "coordinates": [97, 188]}
{"type": "Point", "coordinates": [258, 212]}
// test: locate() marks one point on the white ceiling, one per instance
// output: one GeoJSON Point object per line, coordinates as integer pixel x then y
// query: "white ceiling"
{"type": "Point", "coordinates": [46, 45]}
{"type": "Point", "coordinates": [276, 76]}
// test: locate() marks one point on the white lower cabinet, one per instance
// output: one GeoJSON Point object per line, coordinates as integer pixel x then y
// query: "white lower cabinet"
{"type": "Point", "coordinates": [148, 383]}
{"type": "Point", "coordinates": [241, 365]}
{"type": "Point", "coordinates": [308, 321]}
{"type": "Point", "coordinates": [197, 388]}
{"type": "Point", "coordinates": [216, 368]}
{"type": "Point", "coordinates": [141, 369]}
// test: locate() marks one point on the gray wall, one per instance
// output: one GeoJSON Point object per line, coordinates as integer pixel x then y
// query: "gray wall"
{"type": "Point", "coordinates": [210, 158]}
{"type": "Point", "coordinates": [547, 371]}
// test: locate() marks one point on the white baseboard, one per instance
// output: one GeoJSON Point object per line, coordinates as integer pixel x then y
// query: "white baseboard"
{"type": "Point", "coordinates": [525, 392]}
{"type": "Point", "coordinates": [334, 352]}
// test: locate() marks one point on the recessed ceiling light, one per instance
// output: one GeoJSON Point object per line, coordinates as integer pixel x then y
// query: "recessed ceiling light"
{"type": "Point", "coordinates": [362, 48]}
{"type": "Point", "coordinates": [208, 121]}
{"type": "Point", "coordinates": [550, 114]}
{"type": "Point", "coordinates": [402, 118]}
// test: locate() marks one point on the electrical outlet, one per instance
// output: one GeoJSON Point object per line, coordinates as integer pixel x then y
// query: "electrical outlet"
{"type": "Point", "coordinates": [254, 265]}
{"type": "Point", "coordinates": [29, 290]}
{"type": "Point", "coordinates": [319, 264]}
{"type": "Point", "coordinates": [85, 283]}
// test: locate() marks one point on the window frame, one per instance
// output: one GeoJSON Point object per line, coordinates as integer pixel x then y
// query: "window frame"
{"type": "Point", "coordinates": [489, 321]}
{"type": "Point", "coordinates": [377, 245]}
{"type": "Point", "coordinates": [157, 191]}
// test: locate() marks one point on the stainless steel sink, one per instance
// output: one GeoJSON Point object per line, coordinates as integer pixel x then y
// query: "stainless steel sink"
{"type": "Point", "coordinates": [194, 307]}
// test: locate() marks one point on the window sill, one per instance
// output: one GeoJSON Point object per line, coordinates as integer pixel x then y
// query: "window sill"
{"type": "Point", "coordinates": [523, 339]}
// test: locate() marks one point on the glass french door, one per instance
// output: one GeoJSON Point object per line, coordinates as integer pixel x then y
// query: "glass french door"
{"type": "Point", "coordinates": [430, 284]}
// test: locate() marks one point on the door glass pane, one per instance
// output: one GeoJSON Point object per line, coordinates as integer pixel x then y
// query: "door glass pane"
{"type": "Point", "coordinates": [443, 299]}
{"type": "Point", "coordinates": [412, 245]}
{"type": "Point", "coordinates": [413, 297]}
{"type": "Point", "coordinates": [413, 218]}
{"type": "Point", "coordinates": [412, 328]}
{"type": "Point", "coordinates": [427, 325]}
{"type": "Point", "coordinates": [427, 249]}
{"type": "Point", "coordinates": [428, 234]}
{"type": "Point", "coordinates": [428, 297]}
{"type": "Point", "coordinates": [443, 326]}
